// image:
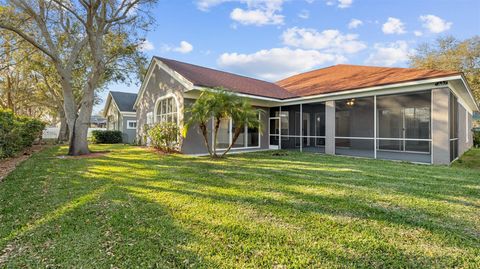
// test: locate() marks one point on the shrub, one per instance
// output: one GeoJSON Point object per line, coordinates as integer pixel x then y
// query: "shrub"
{"type": "Point", "coordinates": [164, 136]}
{"type": "Point", "coordinates": [106, 137]}
{"type": "Point", "coordinates": [17, 132]}
{"type": "Point", "coordinates": [476, 138]}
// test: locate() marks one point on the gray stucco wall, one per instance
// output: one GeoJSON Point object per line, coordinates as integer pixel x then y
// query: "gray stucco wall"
{"type": "Point", "coordinates": [440, 127]}
{"type": "Point", "coordinates": [330, 127]}
{"type": "Point", "coordinates": [194, 143]}
{"type": "Point", "coordinates": [464, 129]}
{"type": "Point", "coordinates": [129, 135]}
{"type": "Point", "coordinates": [160, 84]}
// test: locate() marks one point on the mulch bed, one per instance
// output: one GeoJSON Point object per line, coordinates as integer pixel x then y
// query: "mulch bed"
{"type": "Point", "coordinates": [9, 164]}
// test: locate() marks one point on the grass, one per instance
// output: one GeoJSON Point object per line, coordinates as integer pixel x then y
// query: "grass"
{"type": "Point", "coordinates": [471, 160]}
{"type": "Point", "coordinates": [133, 208]}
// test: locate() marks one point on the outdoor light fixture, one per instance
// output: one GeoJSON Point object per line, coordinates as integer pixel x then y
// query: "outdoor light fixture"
{"type": "Point", "coordinates": [351, 102]}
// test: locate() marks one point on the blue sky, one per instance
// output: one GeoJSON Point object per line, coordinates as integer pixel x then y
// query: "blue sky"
{"type": "Point", "coordinates": [273, 39]}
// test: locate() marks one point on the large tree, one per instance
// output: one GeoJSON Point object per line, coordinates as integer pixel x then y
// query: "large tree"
{"type": "Point", "coordinates": [108, 32]}
{"type": "Point", "coordinates": [448, 53]}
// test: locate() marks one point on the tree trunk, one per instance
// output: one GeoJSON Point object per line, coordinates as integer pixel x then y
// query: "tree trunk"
{"type": "Point", "coordinates": [63, 133]}
{"type": "Point", "coordinates": [215, 135]}
{"type": "Point", "coordinates": [234, 139]}
{"type": "Point", "coordinates": [203, 128]}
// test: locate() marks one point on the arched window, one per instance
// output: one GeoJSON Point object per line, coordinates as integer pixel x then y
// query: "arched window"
{"type": "Point", "coordinates": [167, 110]}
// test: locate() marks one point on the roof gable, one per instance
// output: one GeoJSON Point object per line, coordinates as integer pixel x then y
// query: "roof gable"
{"type": "Point", "coordinates": [211, 78]}
{"type": "Point", "coordinates": [124, 100]}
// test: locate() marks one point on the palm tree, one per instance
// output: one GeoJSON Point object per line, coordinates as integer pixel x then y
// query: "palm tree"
{"type": "Point", "coordinates": [217, 105]}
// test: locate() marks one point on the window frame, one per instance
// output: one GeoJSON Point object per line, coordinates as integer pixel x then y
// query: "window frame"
{"type": "Point", "coordinates": [158, 113]}
{"type": "Point", "coordinates": [230, 134]}
{"type": "Point", "coordinates": [131, 121]}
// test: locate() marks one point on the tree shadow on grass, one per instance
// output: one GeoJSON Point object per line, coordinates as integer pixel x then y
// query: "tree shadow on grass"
{"type": "Point", "coordinates": [132, 221]}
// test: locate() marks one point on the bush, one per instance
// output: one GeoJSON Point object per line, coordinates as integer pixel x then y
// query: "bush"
{"type": "Point", "coordinates": [106, 137]}
{"type": "Point", "coordinates": [476, 138]}
{"type": "Point", "coordinates": [164, 136]}
{"type": "Point", "coordinates": [17, 132]}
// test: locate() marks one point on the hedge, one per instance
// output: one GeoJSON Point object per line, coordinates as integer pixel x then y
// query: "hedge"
{"type": "Point", "coordinates": [476, 138]}
{"type": "Point", "coordinates": [17, 132]}
{"type": "Point", "coordinates": [106, 137]}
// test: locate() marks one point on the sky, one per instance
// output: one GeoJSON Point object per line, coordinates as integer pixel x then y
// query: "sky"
{"type": "Point", "coordinates": [274, 39]}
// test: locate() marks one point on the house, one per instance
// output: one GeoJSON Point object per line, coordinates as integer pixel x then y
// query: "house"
{"type": "Point", "coordinates": [403, 114]}
{"type": "Point", "coordinates": [98, 121]}
{"type": "Point", "coordinates": [121, 115]}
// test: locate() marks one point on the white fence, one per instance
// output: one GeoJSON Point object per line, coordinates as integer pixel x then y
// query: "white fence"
{"type": "Point", "coordinates": [52, 132]}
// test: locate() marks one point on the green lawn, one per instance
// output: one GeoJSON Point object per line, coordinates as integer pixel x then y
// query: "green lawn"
{"type": "Point", "coordinates": [134, 208]}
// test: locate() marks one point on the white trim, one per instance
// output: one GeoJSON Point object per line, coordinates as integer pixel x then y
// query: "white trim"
{"type": "Point", "coordinates": [128, 113]}
{"type": "Point", "coordinates": [230, 136]}
{"type": "Point", "coordinates": [157, 62]}
{"type": "Point", "coordinates": [128, 124]}
{"type": "Point", "coordinates": [167, 96]}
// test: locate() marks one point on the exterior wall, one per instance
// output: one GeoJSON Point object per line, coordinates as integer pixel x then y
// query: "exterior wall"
{"type": "Point", "coordinates": [159, 85]}
{"type": "Point", "coordinates": [330, 127]}
{"type": "Point", "coordinates": [194, 143]}
{"type": "Point", "coordinates": [464, 130]}
{"type": "Point", "coordinates": [129, 135]}
{"type": "Point", "coordinates": [113, 117]}
{"type": "Point", "coordinates": [440, 126]}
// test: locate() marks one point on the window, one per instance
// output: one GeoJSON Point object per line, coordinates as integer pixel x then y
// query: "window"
{"type": "Point", "coordinates": [167, 110]}
{"type": "Point", "coordinates": [248, 138]}
{"type": "Point", "coordinates": [150, 118]}
{"type": "Point", "coordinates": [131, 124]}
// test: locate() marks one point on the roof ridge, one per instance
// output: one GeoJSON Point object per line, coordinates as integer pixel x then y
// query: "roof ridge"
{"type": "Point", "coordinates": [217, 70]}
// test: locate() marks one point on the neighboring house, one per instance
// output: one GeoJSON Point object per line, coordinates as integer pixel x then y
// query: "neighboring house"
{"type": "Point", "coordinates": [384, 113]}
{"type": "Point", "coordinates": [476, 120]}
{"type": "Point", "coordinates": [97, 121]}
{"type": "Point", "coordinates": [121, 115]}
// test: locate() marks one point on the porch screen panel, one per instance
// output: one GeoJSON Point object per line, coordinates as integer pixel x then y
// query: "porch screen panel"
{"type": "Point", "coordinates": [404, 127]}
{"type": "Point", "coordinates": [313, 132]}
{"type": "Point", "coordinates": [290, 127]}
{"type": "Point", "coordinates": [354, 127]}
{"type": "Point", "coordinates": [223, 138]}
{"type": "Point", "coordinates": [453, 122]}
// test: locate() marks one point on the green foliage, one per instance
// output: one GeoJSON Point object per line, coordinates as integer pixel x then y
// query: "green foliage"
{"type": "Point", "coordinates": [17, 132]}
{"type": "Point", "coordinates": [252, 210]}
{"type": "Point", "coordinates": [164, 136]}
{"type": "Point", "coordinates": [219, 104]}
{"type": "Point", "coordinates": [448, 53]}
{"type": "Point", "coordinates": [106, 137]}
{"type": "Point", "coordinates": [476, 138]}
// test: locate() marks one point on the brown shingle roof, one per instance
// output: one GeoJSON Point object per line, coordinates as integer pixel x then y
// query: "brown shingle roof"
{"type": "Point", "coordinates": [206, 77]}
{"type": "Point", "coordinates": [348, 77]}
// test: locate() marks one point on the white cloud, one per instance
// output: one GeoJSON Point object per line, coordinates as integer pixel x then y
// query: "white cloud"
{"type": "Point", "coordinates": [344, 3]}
{"type": "Point", "coordinates": [393, 26]}
{"type": "Point", "coordinates": [435, 24]}
{"type": "Point", "coordinates": [354, 23]}
{"type": "Point", "coordinates": [146, 45]}
{"type": "Point", "coordinates": [184, 47]}
{"type": "Point", "coordinates": [340, 3]}
{"type": "Point", "coordinates": [276, 63]}
{"type": "Point", "coordinates": [417, 33]}
{"type": "Point", "coordinates": [332, 41]}
{"type": "Point", "coordinates": [258, 12]}
{"type": "Point", "coordinates": [256, 17]}
{"type": "Point", "coordinates": [390, 54]}
{"type": "Point", "coordinates": [304, 14]}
